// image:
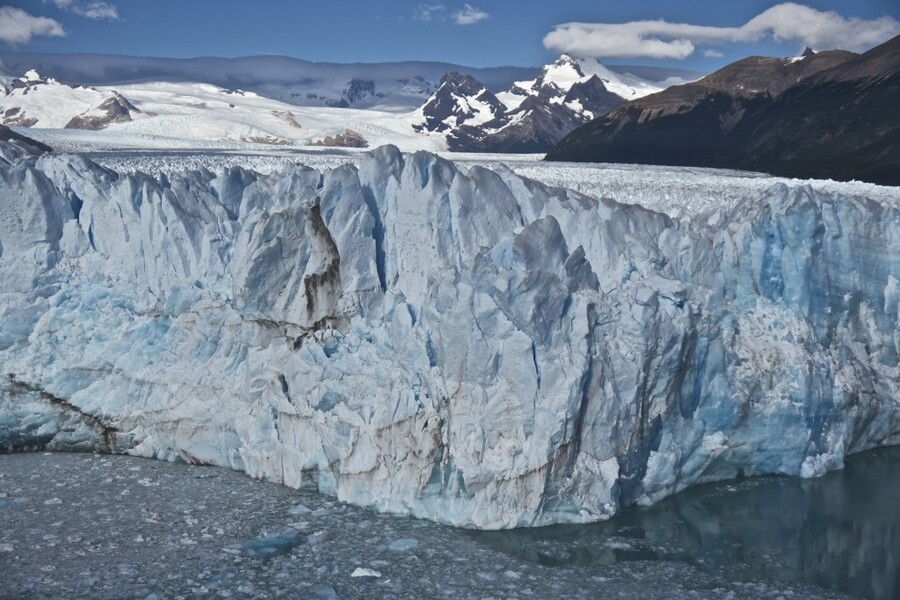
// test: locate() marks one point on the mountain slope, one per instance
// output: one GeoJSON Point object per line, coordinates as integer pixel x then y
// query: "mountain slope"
{"type": "Point", "coordinates": [8, 135]}
{"type": "Point", "coordinates": [179, 115]}
{"type": "Point", "coordinates": [826, 115]}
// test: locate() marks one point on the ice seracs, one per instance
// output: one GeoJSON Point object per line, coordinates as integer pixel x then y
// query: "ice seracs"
{"type": "Point", "coordinates": [470, 347]}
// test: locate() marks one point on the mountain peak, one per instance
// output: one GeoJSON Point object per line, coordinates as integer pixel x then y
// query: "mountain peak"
{"type": "Point", "coordinates": [808, 52]}
{"type": "Point", "coordinates": [464, 84]}
{"type": "Point", "coordinates": [565, 63]}
{"type": "Point", "coordinates": [455, 77]}
{"type": "Point", "coordinates": [459, 99]}
{"type": "Point", "coordinates": [564, 60]}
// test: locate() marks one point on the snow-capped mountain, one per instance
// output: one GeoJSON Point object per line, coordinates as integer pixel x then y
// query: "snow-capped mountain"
{"type": "Point", "coordinates": [532, 115]}
{"type": "Point", "coordinates": [464, 345]}
{"type": "Point", "coordinates": [36, 101]}
{"type": "Point", "coordinates": [461, 112]}
{"type": "Point", "coordinates": [187, 114]}
{"type": "Point", "coordinates": [559, 77]}
{"type": "Point", "coordinates": [460, 100]}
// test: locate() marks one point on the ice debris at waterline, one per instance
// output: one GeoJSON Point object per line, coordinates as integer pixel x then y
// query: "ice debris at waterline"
{"type": "Point", "coordinates": [474, 348]}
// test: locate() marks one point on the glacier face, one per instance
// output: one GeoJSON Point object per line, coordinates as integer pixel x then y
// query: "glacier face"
{"type": "Point", "coordinates": [471, 347]}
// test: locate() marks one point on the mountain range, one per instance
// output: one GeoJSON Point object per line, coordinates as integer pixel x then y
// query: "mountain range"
{"type": "Point", "coordinates": [392, 87]}
{"type": "Point", "coordinates": [826, 115]}
{"type": "Point", "coordinates": [142, 102]}
{"type": "Point", "coordinates": [829, 114]}
{"type": "Point", "coordinates": [532, 115]}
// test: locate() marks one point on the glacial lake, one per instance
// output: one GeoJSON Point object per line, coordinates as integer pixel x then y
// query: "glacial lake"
{"type": "Point", "coordinates": [840, 532]}
{"type": "Point", "coordinates": [119, 527]}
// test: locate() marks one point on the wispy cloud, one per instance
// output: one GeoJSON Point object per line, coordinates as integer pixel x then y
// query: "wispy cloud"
{"type": "Point", "coordinates": [18, 27]}
{"type": "Point", "coordinates": [469, 15]}
{"type": "Point", "coordinates": [426, 12]}
{"type": "Point", "coordinates": [93, 9]}
{"type": "Point", "coordinates": [711, 53]}
{"type": "Point", "coordinates": [660, 39]}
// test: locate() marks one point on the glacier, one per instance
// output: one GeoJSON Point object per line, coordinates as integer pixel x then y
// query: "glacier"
{"type": "Point", "coordinates": [463, 345]}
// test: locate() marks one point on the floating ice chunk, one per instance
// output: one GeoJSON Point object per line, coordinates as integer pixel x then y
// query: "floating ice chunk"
{"type": "Point", "coordinates": [320, 591]}
{"type": "Point", "coordinates": [300, 510]}
{"type": "Point", "coordinates": [364, 572]}
{"type": "Point", "coordinates": [265, 547]}
{"type": "Point", "coordinates": [403, 544]}
{"type": "Point", "coordinates": [318, 536]}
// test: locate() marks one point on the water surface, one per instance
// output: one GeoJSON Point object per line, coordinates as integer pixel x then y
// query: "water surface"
{"type": "Point", "coordinates": [116, 527]}
{"type": "Point", "coordinates": [840, 532]}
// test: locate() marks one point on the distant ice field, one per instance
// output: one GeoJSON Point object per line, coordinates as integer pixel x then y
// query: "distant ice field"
{"type": "Point", "coordinates": [675, 191]}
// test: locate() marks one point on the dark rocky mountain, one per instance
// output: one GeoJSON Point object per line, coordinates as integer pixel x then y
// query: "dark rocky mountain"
{"type": "Point", "coordinates": [460, 99]}
{"type": "Point", "coordinates": [357, 92]}
{"type": "Point", "coordinates": [823, 115]}
{"type": "Point", "coordinates": [347, 139]}
{"type": "Point", "coordinates": [532, 116]}
{"type": "Point", "coordinates": [541, 120]}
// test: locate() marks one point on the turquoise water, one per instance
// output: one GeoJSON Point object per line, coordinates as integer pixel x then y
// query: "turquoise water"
{"type": "Point", "coordinates": [840, 532]}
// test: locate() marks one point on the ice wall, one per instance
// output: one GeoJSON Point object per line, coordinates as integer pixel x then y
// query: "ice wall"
{"type": "Point", "coordinates": [474, 348]}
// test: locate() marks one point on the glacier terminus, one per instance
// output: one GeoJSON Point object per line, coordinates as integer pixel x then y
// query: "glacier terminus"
{"type": "Point", "coordinates": [458, 343]}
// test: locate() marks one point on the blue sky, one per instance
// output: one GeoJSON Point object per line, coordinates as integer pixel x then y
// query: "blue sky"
{"type": "Point", "coordinates": [477, 33]}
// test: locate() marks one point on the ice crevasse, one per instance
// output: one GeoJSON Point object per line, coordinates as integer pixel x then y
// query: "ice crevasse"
{"type": "Point", "coordinates": [467, 346]}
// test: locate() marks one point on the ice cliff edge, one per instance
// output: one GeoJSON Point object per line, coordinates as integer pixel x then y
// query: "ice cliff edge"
{"type": "Point", "coordinates": [470, 347]}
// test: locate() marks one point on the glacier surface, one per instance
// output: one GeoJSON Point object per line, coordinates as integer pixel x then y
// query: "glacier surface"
{"type": "Point", "coordinates": [468, 346]}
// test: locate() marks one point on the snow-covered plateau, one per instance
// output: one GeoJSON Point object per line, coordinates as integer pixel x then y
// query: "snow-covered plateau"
{"type": "Point", "coordinates": [458, 343]}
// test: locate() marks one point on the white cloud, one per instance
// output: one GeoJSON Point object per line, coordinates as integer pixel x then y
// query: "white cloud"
{"type": "Point", "coordinates": [661, 39]}
{"type": "Point", "coordinates": [713, 53]}
{"type": "Point", "coordinates": [426, 12]}
{"type": "Point", "coordinates": [94, 9]}
{"type": "Point", "coordinates": [469, 15]}
{"type": "Point", "coordinates": [18, 27]}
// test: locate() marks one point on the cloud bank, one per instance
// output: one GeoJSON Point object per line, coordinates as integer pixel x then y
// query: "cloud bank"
{"type": "Point", "coordinates": [660, 39]}
{"type": "Point", "coordinates": [18, 27]}
{"type": "Point", "coordinates": [469, 15]}
{"type": "Point", "coordinates": [91, 10]}
{"type": "Point", "coordinates": [426, 12]}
